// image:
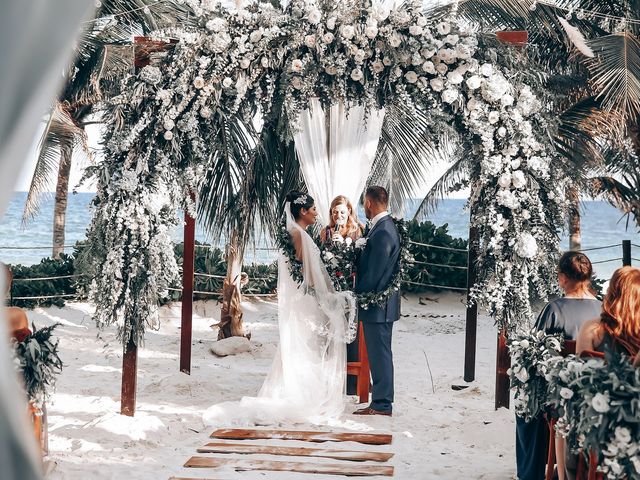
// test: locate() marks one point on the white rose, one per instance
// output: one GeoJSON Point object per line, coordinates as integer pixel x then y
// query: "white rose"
{"type": "Point", "coordinates": [502, 132]}
{"type": "Point", "coordinates": [395, 40]}
{"type": "Point", "coordinates": [168, 124]}
{"type": "Point", "coordinates": [310, 41]}
{"type": "Point", "coordinates": [507, 100]}
{"type": "Point", "coordinates": [371, 31]}
{"type": "Point", "coordinates": [356, 74]}
{"type": "Point", "coordinates": [415, 30]}
{"type": "Point", "coordinates": [505, 180]}
{"type": "Point", "coordinates": [328, 255]}
{"type": "Point", "coordinates": [450, 95]}
{"type": "Point", "coordinates": [422, 21]}
{"type": "Point", "coordinates": [429, 67]}
{"type": "Point", "coordinates": [486, 69]}
{"type": "Point", "coordinates": [331, 70]}
{"type": "Point", "coordinates": [524, 343]}
{"type": "Point", "coordinates": [493, 117]}
{"type": "Point", "coordinates": [437, 84]}
{"type": "Point", "coordinates": [348, 241]}
{"type": "Point", "coordinates": [315, 16]}
{"type": "Point", "coordinates": [331, 23]}
{"type": "Point", "coordinates": [463, 51]}
{"type": "Point", "coordinates": [264, 61]}
{"type": "Point", "coordinates": [296, 82]}
{"type": "Point", "coordinates": [216, 25]}
{"type": "Point", "coordinates": [255, 36]}
{"type": "Point", "coordinates": [205, 112]}
{"type": "Point", "coordinates": [377, 66]}
{"type": "Point", "coordinates": [359, 56]}
{"type": "Point", "coordinates": [227, 82]}
{"type": "Point", "coordinates": [600, 403]}
{"type": "Point", "coordinates": [623, 435]}
{"type": "Point", "coordinates": [361, 242]}
{"type": "Point", "coordinates": [327, 38]}
{"type": "Point", "coordinates": [347, 32]}
{"type": "Point", "coordinates": [296, 65]}
{"type": "Point", "coordinates": [443, 28]}
{"type": "Point", "coordinates": [518, 179]}
{"type": "Point", "coordinates": [526, 214]}
{"type": "Point", "coordinates": [245, 63]}
{"type": "Point", "coordinates": [474, 82]}
{"type": "Point", "coordinates": [473, 104]}
{"type": "Point", "coordinates": [441, 68]}
{"type": "Point", "coordinates": [455, 78]}
{"type": "Point", "coordinates": [566, 393]}
{"type": "Point", "coordinates": [411, 76]}
{"type": "Point", "coordinates": [451, 39]}
{"type": "Point", "coordinates": [168, 135]}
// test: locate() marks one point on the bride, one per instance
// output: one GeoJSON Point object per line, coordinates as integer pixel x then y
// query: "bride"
{"type": "Point", "coordinates": [307, 378]}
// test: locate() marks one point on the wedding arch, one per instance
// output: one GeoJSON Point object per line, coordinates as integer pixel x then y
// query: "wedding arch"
{"type": "Point", "coordinates": [238, 63]}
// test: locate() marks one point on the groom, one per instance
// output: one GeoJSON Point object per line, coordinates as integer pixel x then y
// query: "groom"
{"type": "Point", "coordinates": [379, 261]}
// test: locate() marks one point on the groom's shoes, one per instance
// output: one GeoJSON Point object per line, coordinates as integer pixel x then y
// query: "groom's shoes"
{"type": "Point", "coordinates": [371, 411]}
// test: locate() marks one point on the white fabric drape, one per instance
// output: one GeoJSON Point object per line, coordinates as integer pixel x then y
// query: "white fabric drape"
{"type": "Point", "coordinates": [307, 378]}
{"type": "Point", "coordinates": [36, 38]}
{"type": "Point", "coordinates": [336, 151]}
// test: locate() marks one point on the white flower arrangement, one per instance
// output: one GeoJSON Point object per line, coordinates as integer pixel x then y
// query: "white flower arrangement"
{"type": "Point", "coordinates": [239, 60]}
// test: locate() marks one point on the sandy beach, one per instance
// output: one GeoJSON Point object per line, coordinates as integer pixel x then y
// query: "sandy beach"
{"type": "Point", "coordinates": [438, 433]}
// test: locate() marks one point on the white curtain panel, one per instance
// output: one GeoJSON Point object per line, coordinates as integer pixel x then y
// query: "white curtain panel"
{"type": "Point", "coordinates": [336, 150]}
{"type": "Point", "coordinates": [36, 38]}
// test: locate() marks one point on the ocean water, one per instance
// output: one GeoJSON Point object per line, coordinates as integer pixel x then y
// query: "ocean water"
{"type": "Point", "coordinates": [602, 225]}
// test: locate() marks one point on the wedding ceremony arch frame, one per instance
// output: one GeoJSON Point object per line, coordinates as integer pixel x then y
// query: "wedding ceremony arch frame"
{"type": "Point", "coordinates": [163, 130]}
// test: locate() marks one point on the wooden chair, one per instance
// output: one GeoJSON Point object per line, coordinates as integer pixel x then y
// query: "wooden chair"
{"type": "Point", "coordinates": [361, 368]}
{"type": "Point", "coordinates": [569, 348]}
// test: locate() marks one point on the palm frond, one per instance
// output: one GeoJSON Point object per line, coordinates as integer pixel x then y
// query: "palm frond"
{"type": "Point", "coordinates": [60, 133]}
{"type": "Point", "coordinates": [454, 178]}
{"type": "Point", "coordinates": [616, 71]}
{"type": "Point", "coordinates": [407, 146]}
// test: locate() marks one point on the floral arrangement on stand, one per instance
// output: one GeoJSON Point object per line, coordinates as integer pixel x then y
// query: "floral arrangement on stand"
{"type": "Point", "coordinates": [531, 355]}
{"type": "Point", "coordinates": [164, 128]}
{"type": "Point", "coordinates": [599, 410]}
{"type": "Point", "coordinates": [37, 360]}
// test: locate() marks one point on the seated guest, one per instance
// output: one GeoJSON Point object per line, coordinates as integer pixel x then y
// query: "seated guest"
{"type": "Point", "coordinates": [343, 222]}
{"type": "Point", "coordinates": [564, 315]}
{"type": "Point", "coordinates": [16, 318]}
{"type": "Point", "coordinates": [618, 326]}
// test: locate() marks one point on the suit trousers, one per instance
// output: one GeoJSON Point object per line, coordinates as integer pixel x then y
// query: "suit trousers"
{"type": "Point", "coordinates": [378, 339]}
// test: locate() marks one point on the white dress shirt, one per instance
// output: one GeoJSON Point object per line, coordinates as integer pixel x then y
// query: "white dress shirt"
{"type": "Point", "coordinates": [377, 218]}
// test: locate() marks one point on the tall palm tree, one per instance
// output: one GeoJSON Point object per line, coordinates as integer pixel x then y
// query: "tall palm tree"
{"type": "Point", "coordinates": [103, 55]}
{"type": "Point", "coordinates": [593, 61]}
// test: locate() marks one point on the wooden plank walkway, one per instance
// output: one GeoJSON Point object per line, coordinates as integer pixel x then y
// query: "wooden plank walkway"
{"type": "Point", "coordinates": [240, 465]}
{"type": "Point", "coordinates": [347, 462]}
{"type": "Point", "coordinates": [304, 436]}
{"type": "Point", "coordinates": [351, 455]}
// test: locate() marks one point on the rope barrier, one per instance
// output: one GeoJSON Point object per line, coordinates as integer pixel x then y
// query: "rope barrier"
{"type": "Point", "coordinates": [46, 278]}
{"type": "Point", "coordinates": [416, 262]}
{"type": "Point", "coordinates": [439, 246]}
{"type": "Point", "coordinates": [598, 248]}
{"type": "Point", "coordinates": [606, 261]}
{"type": "Point", "coordinates": [46, 296]}
{"type": "Point", "coordinates": [436, 286]}
{"type": "Point", "coordinates": [635, 245]}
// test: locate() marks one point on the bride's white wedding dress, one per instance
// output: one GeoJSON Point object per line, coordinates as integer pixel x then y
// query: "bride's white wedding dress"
{"type": "Point", "coordinates": [307, 378]}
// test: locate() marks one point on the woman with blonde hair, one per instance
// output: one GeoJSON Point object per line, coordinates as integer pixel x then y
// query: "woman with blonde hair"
{"type": "Point", "coordinates": [619, 324]}
{"type": "Point", "coordinates": [343, 222]}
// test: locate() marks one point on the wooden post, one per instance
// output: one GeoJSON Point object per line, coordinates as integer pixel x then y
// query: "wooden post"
{"type": "Point", "coordinates": [517, 38]}
{"type": "Point", "coordinates": [129, 379]}
{"type": "Point", "coordinates": [503, 362]}
{"type": "Point", "coordinates": [471, 326]}
{"type": "Point", "coordinates": [188, 259]}
{"type": "Point", "coordinates": [626, 253]}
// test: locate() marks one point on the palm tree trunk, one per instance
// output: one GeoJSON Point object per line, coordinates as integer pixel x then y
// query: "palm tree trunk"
{"type": "Point", "coordinates": [575, 230]}
{"type": "Point", "coordinates": [231, 311]}
{"type": "Point", "coordinates": [60, 206]}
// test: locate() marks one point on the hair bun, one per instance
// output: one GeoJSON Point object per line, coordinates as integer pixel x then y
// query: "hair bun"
{"type": "Point", "coordinates": [292, 195]}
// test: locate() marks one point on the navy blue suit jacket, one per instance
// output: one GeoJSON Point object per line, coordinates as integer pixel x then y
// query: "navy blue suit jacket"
{"type": "Point", "coordinates": [378, 263]}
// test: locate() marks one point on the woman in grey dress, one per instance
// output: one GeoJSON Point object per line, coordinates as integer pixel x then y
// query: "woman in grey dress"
{"type": "Point", "coordinates": [564, 315]}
